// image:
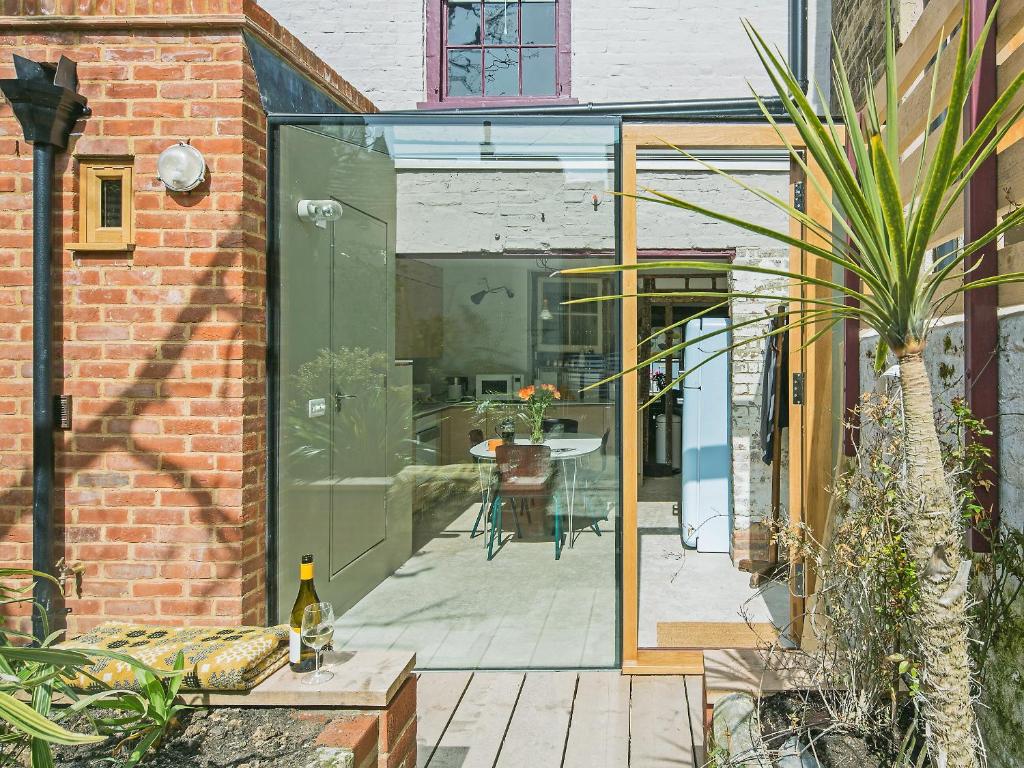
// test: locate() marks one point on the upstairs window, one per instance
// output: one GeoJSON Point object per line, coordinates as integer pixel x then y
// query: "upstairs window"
{"type": "Point", "coordinates": [498, 51]}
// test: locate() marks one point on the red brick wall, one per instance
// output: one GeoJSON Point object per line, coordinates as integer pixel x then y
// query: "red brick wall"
{"type": "Point", "coordinates": [161, 484]}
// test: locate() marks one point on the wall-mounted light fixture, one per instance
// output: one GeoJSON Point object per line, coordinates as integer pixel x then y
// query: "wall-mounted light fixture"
{"type": "Point", "coordinates": [181, 167]}
{"type": "Point", "coordinates": [477, 297]}
{"type": "Point", "coordinates": [319, 212]}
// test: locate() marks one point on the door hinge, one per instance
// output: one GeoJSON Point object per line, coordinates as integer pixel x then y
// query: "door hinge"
{"type": "Point", "coordinates": [800, 196]}
{"type": "Point", "coordinates": [799, 585]}
{"type": "Point", "coordinates": [799, 380]}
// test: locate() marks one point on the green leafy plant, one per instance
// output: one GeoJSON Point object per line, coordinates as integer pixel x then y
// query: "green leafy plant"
{"type": "Point", "coordinates": [882, 237]}
{"type": "Point", "coordinates": [30, 677]}
{"type": "Point", "coordinates": [141, 720]}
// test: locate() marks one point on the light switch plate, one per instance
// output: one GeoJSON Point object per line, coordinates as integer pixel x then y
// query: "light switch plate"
{"type": "Point", "coordinates": [317, 407]}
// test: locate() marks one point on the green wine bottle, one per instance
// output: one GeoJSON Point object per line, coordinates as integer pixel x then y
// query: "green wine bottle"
{"type": "Point", "coordinates": [302, 658]}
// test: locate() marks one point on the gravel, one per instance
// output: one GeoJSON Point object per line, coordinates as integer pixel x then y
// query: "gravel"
{"type": "Point", "coordinates": [222, 738]}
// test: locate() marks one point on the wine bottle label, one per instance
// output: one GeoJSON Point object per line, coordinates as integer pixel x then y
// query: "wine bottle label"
{"type": "Point", "coordinates": [294, 646]}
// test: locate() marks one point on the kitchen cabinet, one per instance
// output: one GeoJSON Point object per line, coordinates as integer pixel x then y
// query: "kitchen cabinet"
{"type": "Point", "coordinates": [419, 309]}
{"type": "Point", "coordinates": [456, 421]}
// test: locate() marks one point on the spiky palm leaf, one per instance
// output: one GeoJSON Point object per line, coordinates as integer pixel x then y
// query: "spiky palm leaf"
{"type": "Point", "coordinates": [883, 238]}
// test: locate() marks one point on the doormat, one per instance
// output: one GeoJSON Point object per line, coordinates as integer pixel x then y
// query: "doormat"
{"type": "Point", "coordinates": [716, 634]}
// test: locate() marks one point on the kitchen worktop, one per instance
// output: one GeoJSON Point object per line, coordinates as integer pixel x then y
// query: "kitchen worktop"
{"type": "Point", "coordinates": [426, 409]}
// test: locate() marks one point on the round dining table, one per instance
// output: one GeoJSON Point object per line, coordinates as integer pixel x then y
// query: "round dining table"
{"type": "Point", "coordinates": [567, 448]}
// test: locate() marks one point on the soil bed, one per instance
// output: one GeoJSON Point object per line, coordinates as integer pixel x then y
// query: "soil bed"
{"type": "Point", "coordinates": [247, 737]}
{"type": "Point", "coordinates": [783, 715]}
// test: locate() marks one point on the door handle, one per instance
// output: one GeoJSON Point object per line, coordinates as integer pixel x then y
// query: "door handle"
{"type": "Point", "coordinates": [338, 398]}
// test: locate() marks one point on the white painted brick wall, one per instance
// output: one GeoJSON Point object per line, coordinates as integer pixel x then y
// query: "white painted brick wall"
{"type": "Point", "coordinates": [670, 49]}
{"type": "Point", "coordinates": [623, 50]}
{"type": "Point", "coordinates": [377, 46]}
{"type": "Point", "coordinates": [944, 358]}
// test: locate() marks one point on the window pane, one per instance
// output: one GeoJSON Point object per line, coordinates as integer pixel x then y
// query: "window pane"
{"type": "Point", "coordinates": [538, 24]}
{"type": "Point", "coordinates": [501, 69]}
{"type": "Point", "coordinates": [464, 72]}
{"type": "Point", "coordinates": [501, 23]}
{"type": "Point", "coordinates": [464, 24]}
{"type": "Point", "coordinates": [110, 203]}
{"type": "Point", "coordinates": [538, 71]}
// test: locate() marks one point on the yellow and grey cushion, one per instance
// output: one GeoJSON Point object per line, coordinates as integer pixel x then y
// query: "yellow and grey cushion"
{"type": "Point", "coordinates": [216, 658]}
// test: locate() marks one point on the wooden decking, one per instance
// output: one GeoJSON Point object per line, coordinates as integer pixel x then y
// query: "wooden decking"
{"type": "Point", "coordinates": [559, 720]}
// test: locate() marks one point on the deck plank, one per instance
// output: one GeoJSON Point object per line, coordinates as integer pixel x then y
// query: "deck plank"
{"type": "Point", "coordinates": [659, 723]}
{"type": "Point", "coordinates": [695, 706]}
{"type": "Point", "coordinates": [437, 696]}
{"type": "Point", "coordinates": [599, 729]}
{"type": "Point", "coordinates": [536, 734]}
{"type": "Point", "coordinates": [474, 734]}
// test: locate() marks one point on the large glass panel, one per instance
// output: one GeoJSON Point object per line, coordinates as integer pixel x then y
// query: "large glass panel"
{"type": "Point", "coordinates": [707, 577]}
{"type": "Point", "coordinates": [408, 328]}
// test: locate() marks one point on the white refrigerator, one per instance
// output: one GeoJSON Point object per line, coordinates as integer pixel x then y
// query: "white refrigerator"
{"type": "Point", "coordinates": [706, 514]}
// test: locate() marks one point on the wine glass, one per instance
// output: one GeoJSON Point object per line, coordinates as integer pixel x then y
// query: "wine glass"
{"type": "Point", "coordinates": [318, 631]}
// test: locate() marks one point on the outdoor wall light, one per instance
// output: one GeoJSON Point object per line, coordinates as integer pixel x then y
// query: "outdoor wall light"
{"type": "Point", "coordinates": [477, 297]}
{"type": "Point", "coordinates": [319, 211]}
{"type": "Point", "coordinates": [181, 167]}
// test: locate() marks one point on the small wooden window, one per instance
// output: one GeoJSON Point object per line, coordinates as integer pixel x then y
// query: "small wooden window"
{"type": "Point", "coordinates": [106, 215]}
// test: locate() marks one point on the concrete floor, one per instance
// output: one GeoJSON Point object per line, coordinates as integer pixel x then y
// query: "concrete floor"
{"type": "Point", "coordinates": [680, 584]}
{"type": "Point", "coordinates": [523, 609]}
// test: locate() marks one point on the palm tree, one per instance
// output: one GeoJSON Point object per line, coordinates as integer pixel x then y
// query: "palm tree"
{"type": "Point", "coordinates": [883, 239]}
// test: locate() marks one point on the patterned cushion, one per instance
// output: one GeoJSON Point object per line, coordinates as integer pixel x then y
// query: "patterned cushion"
{"type": "Point", "coordinates": [216, 658]}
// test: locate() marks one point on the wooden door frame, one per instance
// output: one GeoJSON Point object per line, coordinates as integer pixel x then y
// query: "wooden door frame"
{"type": "Point", "coordinates": [814, 420]}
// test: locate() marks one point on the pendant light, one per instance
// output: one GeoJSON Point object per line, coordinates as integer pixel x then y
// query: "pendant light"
{"type": "Point", "coordinates": [545, 311]}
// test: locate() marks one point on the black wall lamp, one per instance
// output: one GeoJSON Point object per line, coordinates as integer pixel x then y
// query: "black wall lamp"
{"type": "Point", "coordinates": [477, 297]}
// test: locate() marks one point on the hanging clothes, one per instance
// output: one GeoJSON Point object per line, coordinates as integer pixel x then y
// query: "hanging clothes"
{"type": "Point", "coordinates": [776, 361]}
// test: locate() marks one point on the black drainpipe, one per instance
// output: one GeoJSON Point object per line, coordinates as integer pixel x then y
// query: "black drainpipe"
{"type": "Point", "coordinates": [798, 42]}
{"type": "Point", "coordinates": [46, 102]}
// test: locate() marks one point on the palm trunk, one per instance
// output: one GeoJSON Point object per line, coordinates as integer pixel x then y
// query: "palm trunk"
{"type": "Point", "coordinates": [935, 534]}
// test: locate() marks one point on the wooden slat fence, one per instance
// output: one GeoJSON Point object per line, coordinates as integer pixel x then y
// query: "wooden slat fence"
{"type": "Point", "coordinates": [940, 23]}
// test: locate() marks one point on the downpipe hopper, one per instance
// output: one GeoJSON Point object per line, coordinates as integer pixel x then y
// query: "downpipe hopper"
{"type": "Point", "coordinates": [47, 104]}
{"type": "Point", "coordinates": [45, 99]}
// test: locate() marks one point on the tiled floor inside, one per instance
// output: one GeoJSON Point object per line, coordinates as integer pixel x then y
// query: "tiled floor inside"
{"type": "Point", "coordinates": [455, 609]}
{"type": "Point", "coordinates": [524, 609]}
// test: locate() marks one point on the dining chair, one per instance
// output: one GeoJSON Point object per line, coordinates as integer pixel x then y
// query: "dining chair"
{"type": "Point", "coordinates": [590, 476]}
{"type": "Point", "coordinates": [476, 436]}
{"type": "Point", "coordinates": [525, 473]}
{"type": "Point", "coordinates": [568, 426]}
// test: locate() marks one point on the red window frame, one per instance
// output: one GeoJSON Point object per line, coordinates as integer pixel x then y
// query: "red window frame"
{"type": "Point", "coordinates": [436, 69]}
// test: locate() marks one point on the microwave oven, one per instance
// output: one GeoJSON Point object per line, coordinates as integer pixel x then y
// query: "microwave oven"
{"type": "Point", "coordinates": [498, 386]}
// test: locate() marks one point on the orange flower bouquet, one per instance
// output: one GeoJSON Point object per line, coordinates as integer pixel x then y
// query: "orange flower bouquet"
{"type": "Point", "coordinates": [536, 401]}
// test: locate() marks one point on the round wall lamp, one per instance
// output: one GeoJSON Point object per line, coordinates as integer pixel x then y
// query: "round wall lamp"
{"type": "Point", "coordinates": [181, 167]}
